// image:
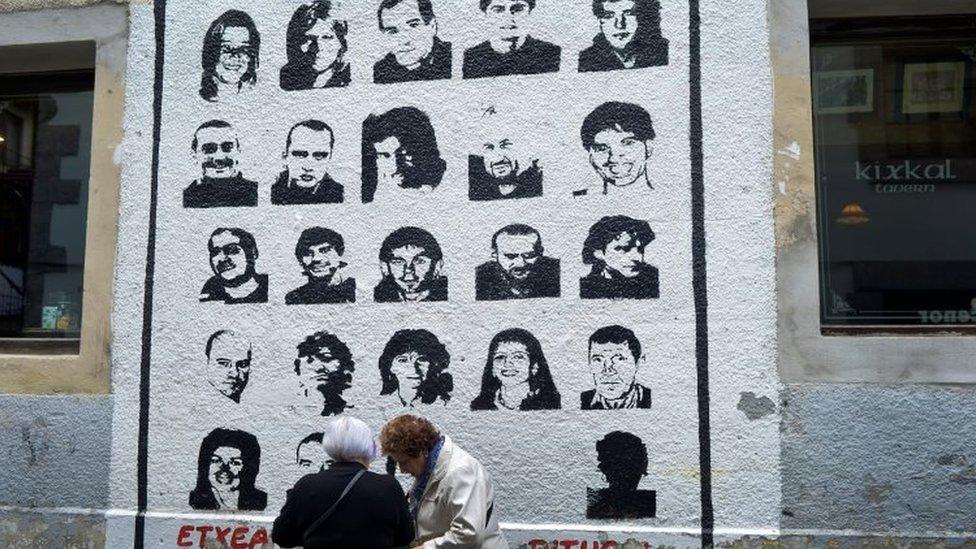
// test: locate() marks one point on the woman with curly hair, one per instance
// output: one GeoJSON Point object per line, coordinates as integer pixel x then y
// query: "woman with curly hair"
{"type": "Point", "coordinates": [516, 375]}
{"type": "Point", "coordinates": [413, 365]}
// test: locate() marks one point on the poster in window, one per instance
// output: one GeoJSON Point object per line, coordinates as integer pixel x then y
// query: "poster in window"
{"type": "Point", "coordinates": [934, 87]}
{"type": "Point", "coordinates": [842, 92]}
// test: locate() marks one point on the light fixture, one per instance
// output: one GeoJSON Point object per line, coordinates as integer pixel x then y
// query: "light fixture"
{"type": "Point", "coordinates": [2, 139]}
{"type": "Point", "coordinates": [853, 214]}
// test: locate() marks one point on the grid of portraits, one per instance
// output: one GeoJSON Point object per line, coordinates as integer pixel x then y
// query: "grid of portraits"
{"type": "Point", "coordinates": [366, 209]}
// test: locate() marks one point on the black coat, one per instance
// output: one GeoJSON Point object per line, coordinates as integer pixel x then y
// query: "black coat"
{"type": "Point", "coordinates": [373, 515]}
{"type": "Point", "coordinates": [534, 57]}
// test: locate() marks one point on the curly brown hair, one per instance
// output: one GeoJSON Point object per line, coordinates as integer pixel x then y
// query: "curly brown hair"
{"type": "Point", "coordinates": [408, 435]}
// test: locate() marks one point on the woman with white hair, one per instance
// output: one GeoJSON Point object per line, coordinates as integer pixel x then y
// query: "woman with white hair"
{"type": "Point", "coordinates": [345, 505]}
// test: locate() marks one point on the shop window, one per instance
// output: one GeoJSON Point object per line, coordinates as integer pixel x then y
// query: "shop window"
{"type": "Point", "coordinates": [894, 114]}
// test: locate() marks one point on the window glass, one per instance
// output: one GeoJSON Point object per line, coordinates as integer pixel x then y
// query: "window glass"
{"type": "Point", "coordinates": [45, 127]}
{"type": "Point", "coordinates": [895, 148]}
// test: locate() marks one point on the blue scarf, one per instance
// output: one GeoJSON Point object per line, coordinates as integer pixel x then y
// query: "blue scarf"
{"type": "Point", "coordinates": [418, 487]}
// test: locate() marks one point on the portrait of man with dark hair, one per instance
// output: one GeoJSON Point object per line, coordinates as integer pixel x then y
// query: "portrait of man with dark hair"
{"type": "Point", "coordinates": [310, 456]}
{"type": "Point", "coordinates": [411, 262]}
{"type": "Point", "coordinates": [316, 48]}
{"type": "Point", "coordinates": [516, 375]}
{"type": "Point", "coordinates": [227, 468]}
{"type": "Point", "coordinates": [614, 250]}
{"type": "Point", "coordinates": [324, 368]}
{"type": "Point", "coordinates": [509, 49]}
{"type": "Point", "coordinates": [400, 156]}
{"type": "Point", "coordinates": [415, 52]}
{"type": "Point", "coordinates": [614, 358]}
{"type": "Point", "coordinates": [233, 253]}
{"type": "Point", "coordinates": [503, 167]}
{"type": "Point", "coordinates": [228, 363]}
{"type": "Point", "coordinates": [622, 458]}
{"type": "Point", "coordinates": [617, 136]}
{"type": "Point", "coordinates": [215, 148]}
{"type": "Point", "coordinates": [414, 367]}
{"type": "Point", "coordinates": [319, 251]}
{"type": "Point", "coordinates": [518, 269]}
{"type": "Point", "coordinates": [308, 156]}
{"type": "Point", "coordinates": [230, 56]}
{"type": "Point", "coordinates": [629, 38]}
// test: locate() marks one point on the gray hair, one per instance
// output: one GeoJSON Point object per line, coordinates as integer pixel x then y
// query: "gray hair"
{"type": "Point", "coordinates": [349, 439]}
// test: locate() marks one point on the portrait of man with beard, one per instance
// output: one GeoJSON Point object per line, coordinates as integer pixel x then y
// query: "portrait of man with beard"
{"type": "Point", "coordinates": [502, 168]}
{"type": "Point", "coordinates": [319, 251]}
{"type": "Point", "coordinates": [614, 358]}
{"type": "Point", "coordinates": [411, 262]}
{"type": "Point", "coordinates": [308, 156]}
{"type": "Point", "coordinates": [518, 269]}
{"type": "Point", "coordinates": [614, 249]}
{"type": "Point", "coordinates": [324, 368]}
{"type": "Point", "coordinates": [400, 156]}
{"type": "Point", "coordinates": [230, 56]}
{"type": "Point", "coordinates": [228, 363]}
{"type": "Point", "coordinates": [415, 51]}
{"type": "Point", "coordinates": [221, 184]}
{"type": "Point", "coordinates": [227, 468]}
{"type": "Point", "coordinates": [617, 136]}
{"type": "Point", "coordinates": [629, 38]}
{"type": "Point", "coordinates": [233, 253]}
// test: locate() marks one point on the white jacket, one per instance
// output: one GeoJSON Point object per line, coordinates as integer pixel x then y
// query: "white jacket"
{"type": "Point", "coordinates": [457, 507]}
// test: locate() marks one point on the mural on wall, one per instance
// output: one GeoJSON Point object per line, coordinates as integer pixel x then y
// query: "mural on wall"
{"type": "Point", "coordinates": [618, 138]}
{"type": "Point", "coordinates": [316, 47]}
{"type": "Point", "coordinates": [230, 56]}
{"type": "Point", "coordinates": [629, 38]}
{"type": "Point", "coordinates": [503, 167]}
{"type": "Point", "coordinates": [414, 50]}
{"type": "Point", "coordinates": [400, 155]}
{"type": "Point", "coordinates": [306, 178]}
{"type": "Point", "coordinates": [310, 456]}
{"type": "Point", "coordinates": [216, 149]}
{"type": "Point", "coordinates": [614, 250]}
{"type": "Point", "coordinates": [614, 357]}
{"type": "Point", "coordinates": [319, 252]}
{"type": "Point", "coordinates": [411, 262]}
{"type": "Point", "coordinates": [228, 363]}
{"type": "Point", "coordinates": [227, 469]}
{"type": "Point", "coordinates": [510, 49]}
{"type": "Point", "coordinates": [518, 268]}
{"type": "Point", "coordinates": [324, 367]}
{"type": "Point", "coordinates": [414, 367]}
{"type": "Point", "coordinates": [516, 375]}
{"type": "Point", "coordinates": [233, 253]}
{"type": "Point", "coordinates": [622, 458]}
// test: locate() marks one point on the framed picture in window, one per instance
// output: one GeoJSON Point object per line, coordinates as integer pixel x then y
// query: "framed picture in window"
{"type": "Point", "coordinates": [842, 92]}
{"type": "Point", "coordinates": [934, 87]}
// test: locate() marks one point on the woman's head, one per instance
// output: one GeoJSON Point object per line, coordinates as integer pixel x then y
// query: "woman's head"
{"type": "Point", "coordinates": [408, 439]}
{"type": "Point", "coordinates": [230, 53]}
{"type": "Point", "coordinates": [515, 358]}
{"type": "Point", "coordinates": [316, 38]}
{"type": "Point", "coordinates": [349, 439]}
{"type": "Point", "coordinates": [413, 365]}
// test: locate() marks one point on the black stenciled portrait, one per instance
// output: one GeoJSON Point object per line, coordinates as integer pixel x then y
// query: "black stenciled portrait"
{"type": "Point", "coordinates": [221, 184]}
{"type": "Point", "coordinates": [400, 155]}
{"type": "Point", "coordinates": [415, 52]}
{"type": "Point", "coordinates": [614, 250]}
{"type": "Point", "coordinates": [308, 157]}
{"type": "Point", "coordinates": [228, 363]}
{"type": "Point", "coordinates": [319, 252]}
{"type": "Point", "coordinates": [509, 49]}
{"type": "Point", "coordinates": [324, 367]}
{"type": "Point", "coordinates": [622, 458]}
{"type": "Point", "coordinates": [630, 36]}
{"type": "Point", "coordinates": [316, 48]}
{"type": "Point", "coordinates": [411, 262]}
{"type": "Point", "coordinates": [227, 468]}
{"type": "Point", "coordinates": [516, 375]}
{"type": "Point", "coordinates": [617, 136]}
{"type": "Point", "coordinates": [414, 367]}
{"type": "Point", "coordinates": [502, 167]}
{"type": "Point", "coordinates": [518, 269]}
{"type": "Point", "coordinates": [230, 56]}
{"type": "Point", "coordinates": [310, 456]}
{"type": "Point", "coordinates": [614, 358]}
{"type": "Point", "coordinates": [233, 253]}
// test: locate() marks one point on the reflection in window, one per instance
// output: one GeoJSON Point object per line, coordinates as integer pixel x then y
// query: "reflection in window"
{"type": "Point", "coordinates": [45, 127]}
{"type": "Point", "coordinates": [895, 146]}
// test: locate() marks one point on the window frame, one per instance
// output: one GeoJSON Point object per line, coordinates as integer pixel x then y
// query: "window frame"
{"type": "Point", "coordinates": [62, 39]}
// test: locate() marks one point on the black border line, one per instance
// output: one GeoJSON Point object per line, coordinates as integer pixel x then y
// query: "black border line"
{"type": "Point", "coordinates": [699, 280]}
{"type": "Point", "coordinates": [142, 465]}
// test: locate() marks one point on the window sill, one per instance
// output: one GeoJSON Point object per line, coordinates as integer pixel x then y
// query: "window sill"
{"type": "Point", "coordinates": [46, 346]}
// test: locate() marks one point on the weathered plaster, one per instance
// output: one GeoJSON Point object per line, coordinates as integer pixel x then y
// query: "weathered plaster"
{"type": "Point", "coordinates": [32, 5]}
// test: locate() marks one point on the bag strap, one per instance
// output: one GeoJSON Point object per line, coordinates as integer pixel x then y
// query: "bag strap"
{"type": "Point", "coordinates": [332, 509]}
